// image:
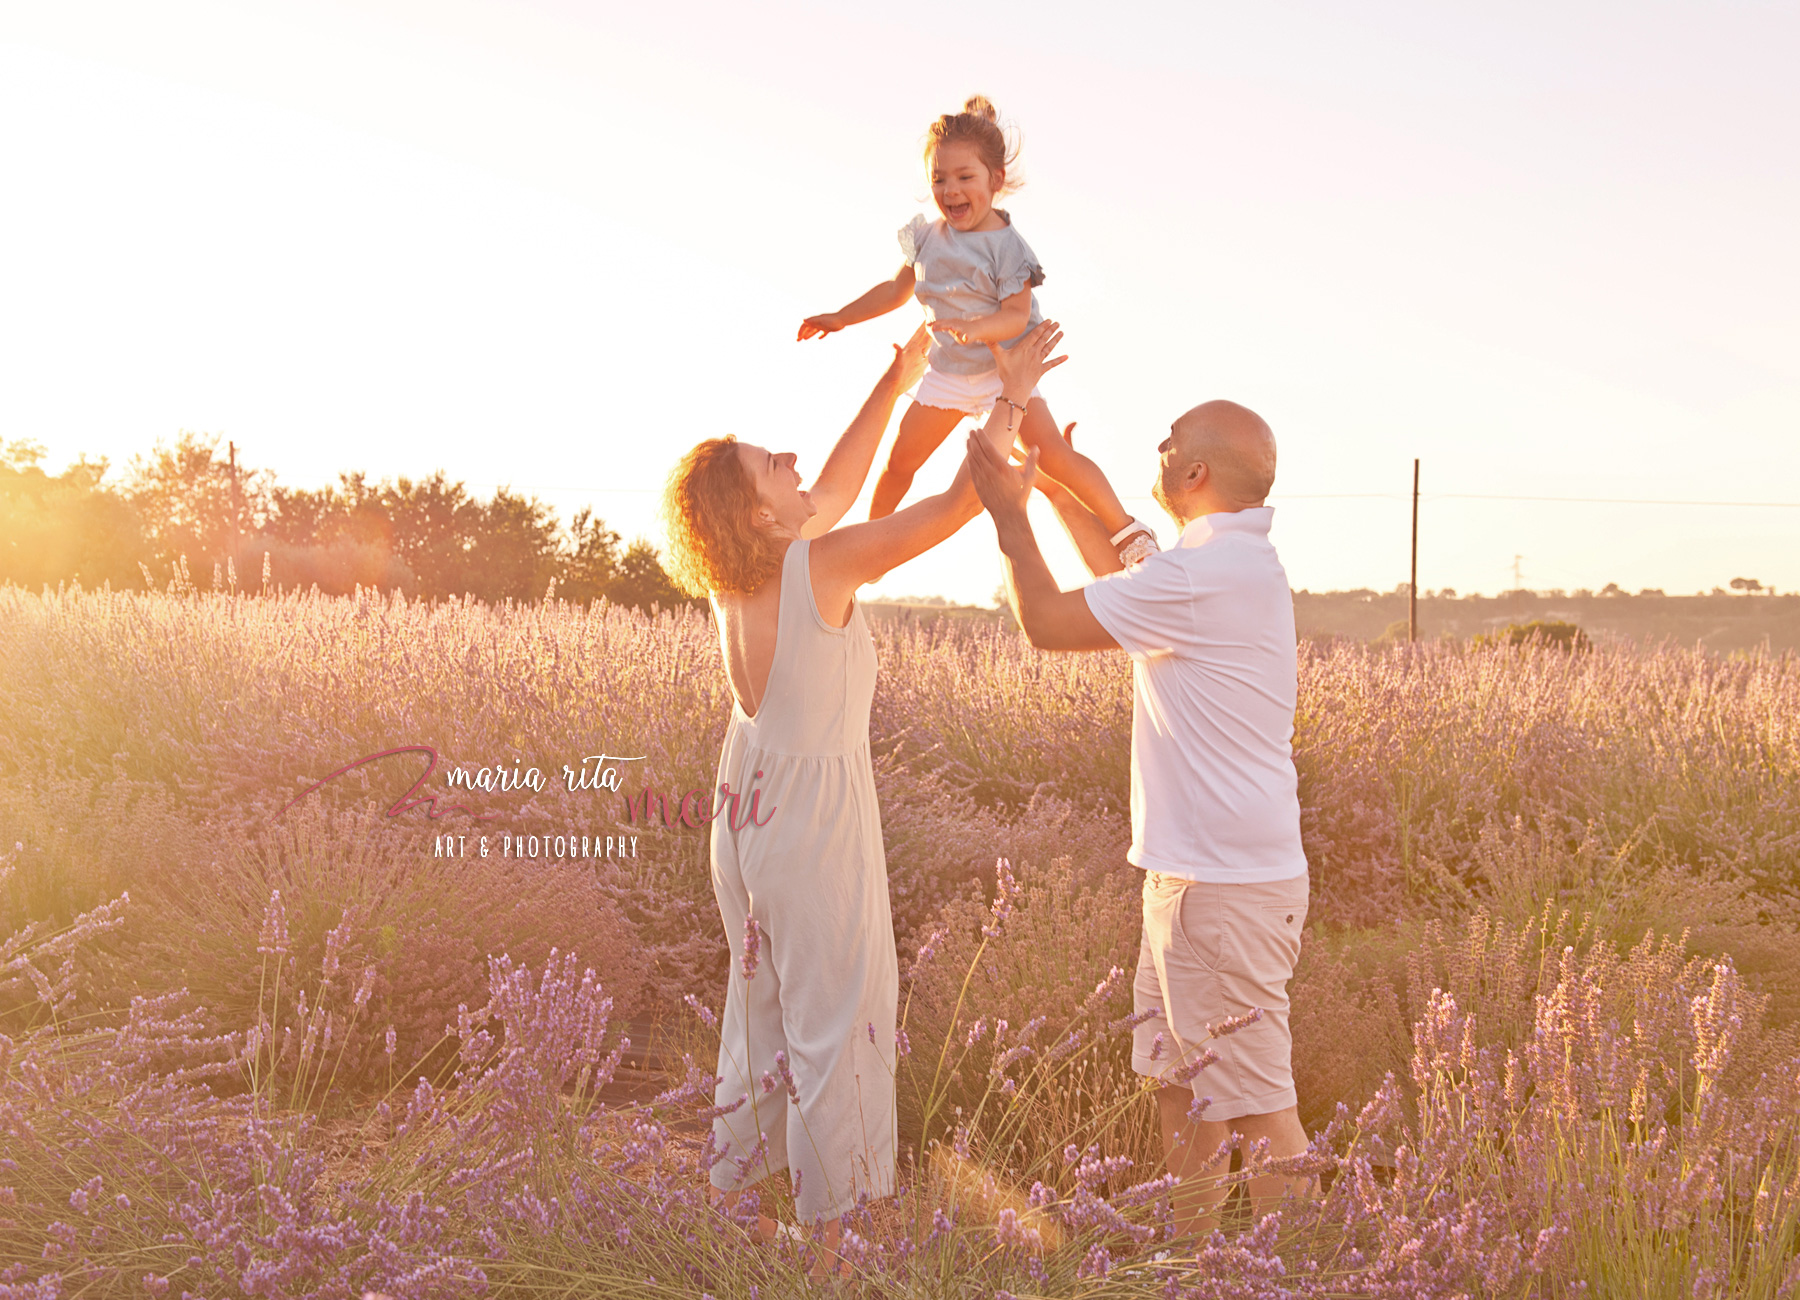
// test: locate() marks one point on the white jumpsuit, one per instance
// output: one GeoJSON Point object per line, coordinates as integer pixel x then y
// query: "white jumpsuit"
{"type": "Point", "coordinates": [814, 875]}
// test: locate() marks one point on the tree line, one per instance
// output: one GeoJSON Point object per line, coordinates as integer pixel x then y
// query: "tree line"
{"type": "Point", "coordinates": [186, 513]}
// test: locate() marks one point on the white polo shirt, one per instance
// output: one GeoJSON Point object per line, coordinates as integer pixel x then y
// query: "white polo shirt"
{"type": "Point", "coordinates": [1209, 626]}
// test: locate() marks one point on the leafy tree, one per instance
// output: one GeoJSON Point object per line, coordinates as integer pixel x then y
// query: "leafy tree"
{"type": "Point", "coordinates": [591, 562]}
{"type": "Point", "coordinates": [1547, 631]}
{"type": "Point", "coordinates": [54, 528]}
{"type": "Point", "coordinates": [188, 503]}
{"type": "Point", "coordinates": [594, 568]}
{"type": "Point", "coordinates": [515, 551]}
{"type": "Point", "coordinates": [429, 537]}
{"type": "Point", "coordinates": [641, 582]}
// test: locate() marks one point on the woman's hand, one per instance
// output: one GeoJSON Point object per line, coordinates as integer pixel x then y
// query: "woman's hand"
{"type": "Point", "coordinates": [820, 326]}
{"type": "Point", "coordinates": [1027, 361]}
{"type": "Point", "coordinates": [910, 358]}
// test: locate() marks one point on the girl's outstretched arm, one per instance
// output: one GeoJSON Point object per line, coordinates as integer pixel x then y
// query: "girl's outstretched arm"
{"type": "Point", "coordinates": [841, 479]}
{"type": "Point", "coordinates": [879, 301]}
{"type": "Point", "coordinates": [846, 558]}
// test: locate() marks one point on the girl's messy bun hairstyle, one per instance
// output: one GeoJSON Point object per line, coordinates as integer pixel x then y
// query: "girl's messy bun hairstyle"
{"type": "Point", "coordinates": [979, 125]}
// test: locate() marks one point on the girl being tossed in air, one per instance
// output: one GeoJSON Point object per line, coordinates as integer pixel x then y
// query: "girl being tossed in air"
{"type": "Point", "coordinates": [974, 272]}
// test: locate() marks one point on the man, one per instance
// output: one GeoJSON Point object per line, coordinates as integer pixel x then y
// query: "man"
{"type": "Point", "coordinates": [1215, 817]}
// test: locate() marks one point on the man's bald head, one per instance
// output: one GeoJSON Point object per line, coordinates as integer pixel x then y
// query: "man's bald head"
{"type": "Point", "coordinates": [1237, 448]}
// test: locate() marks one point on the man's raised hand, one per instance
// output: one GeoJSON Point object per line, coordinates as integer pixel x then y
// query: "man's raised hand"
{"type": "Point", "coordinates": [1003, 488]}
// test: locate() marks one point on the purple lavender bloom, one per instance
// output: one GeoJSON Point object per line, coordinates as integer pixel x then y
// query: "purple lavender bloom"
{"type": "Point", "coordinates": [928, 950]}
{"type": "Point", "coordinates": [713, 1112]}
{"type": "Point", "coordinates": [787, 1077]}
{"type": "Point", "coordinates": [1006, 890]}
{"type": "Point", "coordinates": [1185, 1073]}
{"type": "Point", "coordinates": [1231, 1024]}
{"type": "Point", "coordinates": [752, 946]}
{"type": "Point", "coordinates": [274, 937]}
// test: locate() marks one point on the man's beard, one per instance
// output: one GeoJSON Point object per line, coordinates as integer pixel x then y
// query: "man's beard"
{"type": "Point", "coordinates": [1160, 494]}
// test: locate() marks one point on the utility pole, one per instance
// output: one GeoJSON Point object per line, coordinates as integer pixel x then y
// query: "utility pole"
{"type": "Point", "coordinates": [1518, 580]}
{"type": "Point", "coordinates": [1412, 587]}
{"type": "Point", "coordinates": [236, 508]}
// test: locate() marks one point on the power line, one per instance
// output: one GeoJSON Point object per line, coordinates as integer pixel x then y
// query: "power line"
{"type": "Point", "coordinates": [1499, 496]}
{"type": "Point", "coordinates": [1298, 496]}
{"type": "Point", "coordinates": [1615, 501]}
{"type": "Point", "coordinates": [1301, 496]}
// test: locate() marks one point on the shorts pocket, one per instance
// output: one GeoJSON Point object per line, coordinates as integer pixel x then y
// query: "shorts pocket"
{"type": "Point", "coordinates": [1200, 926]}
{"type": "Point", "coordinates": [1283, 921]}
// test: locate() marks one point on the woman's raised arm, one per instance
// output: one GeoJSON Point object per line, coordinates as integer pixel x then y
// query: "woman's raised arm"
{"type": "Point", "coordinates": [836, 488]}
{"type": "Point", "coordinates": [846, 558]}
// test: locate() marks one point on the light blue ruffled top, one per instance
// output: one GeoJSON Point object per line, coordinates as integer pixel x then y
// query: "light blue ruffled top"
{"type": "Point", "coordinates": [962, 274]}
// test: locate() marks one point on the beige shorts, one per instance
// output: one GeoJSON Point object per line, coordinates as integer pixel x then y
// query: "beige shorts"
{"type": "Point", "coordinates": [1210, 952]}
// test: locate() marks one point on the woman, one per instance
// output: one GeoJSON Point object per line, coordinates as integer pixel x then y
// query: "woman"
{"type": "Point", "coordinates": [807, 1035]}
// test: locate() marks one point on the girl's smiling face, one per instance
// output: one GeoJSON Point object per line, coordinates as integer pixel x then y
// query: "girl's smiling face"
{"type": "Point", "coordinates": [964, 188]}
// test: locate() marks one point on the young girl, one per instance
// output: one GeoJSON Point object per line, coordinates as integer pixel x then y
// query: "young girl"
{"type": "Point", "coordinates": [974, 274]}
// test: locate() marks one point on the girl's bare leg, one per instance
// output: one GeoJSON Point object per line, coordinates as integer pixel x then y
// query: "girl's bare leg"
{"type": "Point", "coordinates": [922, 428]}
{"type": "Point", "coordinates": [1059, 460]}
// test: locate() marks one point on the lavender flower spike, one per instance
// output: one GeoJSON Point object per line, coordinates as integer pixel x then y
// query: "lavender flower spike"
{"type": "Point", "coordinates": [1231, 1024]}
{"type": "Point", "coordinates": [787, 1077]}
{"type": "Point", "coordinates": [1006, 889]}
{"type": "Point", "coordinates": [752, 946]}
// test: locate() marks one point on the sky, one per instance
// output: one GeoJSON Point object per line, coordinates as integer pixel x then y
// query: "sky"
{"type": "Point", "coordinates": [1547, 249]}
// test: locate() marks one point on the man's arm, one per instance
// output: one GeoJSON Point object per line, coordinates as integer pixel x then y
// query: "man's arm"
{"type": "Point", "coordinates": [1053, 619]}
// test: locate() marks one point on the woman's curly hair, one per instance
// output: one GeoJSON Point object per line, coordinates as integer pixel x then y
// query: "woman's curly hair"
{"type": "Point", "coordinates": [707, 509]}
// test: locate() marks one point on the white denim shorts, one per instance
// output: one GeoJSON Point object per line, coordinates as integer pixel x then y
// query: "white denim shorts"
{"type": "Point", "coordinates": [971, 394]}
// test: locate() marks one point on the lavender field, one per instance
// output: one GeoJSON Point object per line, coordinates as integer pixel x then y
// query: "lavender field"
{"type": "Point", "coordinates": [1545, 1017]}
